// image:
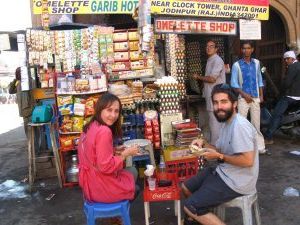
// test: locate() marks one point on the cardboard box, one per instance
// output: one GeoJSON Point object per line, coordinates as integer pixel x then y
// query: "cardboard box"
{"type": "Point", "coordinates": [133, 36]}
{"type": "Point", "coordinates": [167, 135]}
{"type": "Point", "coordinates": [176, 153]}
{"type": "Point", "coordinates": [121, 56]}
{"type": "Point", "coordinates": [122, 36]}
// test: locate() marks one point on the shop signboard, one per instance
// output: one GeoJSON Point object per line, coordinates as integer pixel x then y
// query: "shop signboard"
{"type": "Point", "coordinates": [244, 9]}
{"type": "Point", "coordinates": [195, 26]}
{"type": "Point", "coordinates": [87, 6]}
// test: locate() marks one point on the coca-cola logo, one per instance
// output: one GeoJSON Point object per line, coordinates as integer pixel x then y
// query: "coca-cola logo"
{"type": "Point", "coordinates": [165, 195]}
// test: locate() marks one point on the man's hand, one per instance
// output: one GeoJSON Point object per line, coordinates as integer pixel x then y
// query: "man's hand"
{"type": "Point", "coordinates": [199, 142]}
{"type": "Point", "coordinates": [261, 98]}
{"type": "Point", "coordinates": [197, 77]}
{"type": "Point", "coordinates": [211, 154]}
{"type": "Point", "coordinates": [248, 98]}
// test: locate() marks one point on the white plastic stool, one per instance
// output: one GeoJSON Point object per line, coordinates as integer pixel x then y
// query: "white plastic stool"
{"type": "Point", "coordinates": [245, 203]}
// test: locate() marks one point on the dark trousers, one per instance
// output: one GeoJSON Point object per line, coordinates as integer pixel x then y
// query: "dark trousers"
{"type": "Point", "coordinates": [281, 106]}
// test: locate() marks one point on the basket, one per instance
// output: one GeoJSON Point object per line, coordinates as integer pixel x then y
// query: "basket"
{"type": "Point", "coordinates": [184, 168]}
{"type": "Point", "coordinates": [171, 192]}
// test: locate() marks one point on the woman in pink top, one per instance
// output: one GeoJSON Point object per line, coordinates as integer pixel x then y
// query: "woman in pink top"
{"type": "Point", "coordinates": [101, 174]}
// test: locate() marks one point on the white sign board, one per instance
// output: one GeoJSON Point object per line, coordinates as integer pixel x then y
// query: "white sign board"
{"type": "Point", "coordinates": [250, 29]}
{"type": "Point", "coordinates": [4, 42]}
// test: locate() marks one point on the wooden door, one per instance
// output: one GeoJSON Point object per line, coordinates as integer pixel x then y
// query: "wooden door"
{"type": "Point", "coordinates": [270, 50]}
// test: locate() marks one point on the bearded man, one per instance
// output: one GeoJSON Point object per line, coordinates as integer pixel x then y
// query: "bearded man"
{"type": "Point", "coordinates": [237, 153]}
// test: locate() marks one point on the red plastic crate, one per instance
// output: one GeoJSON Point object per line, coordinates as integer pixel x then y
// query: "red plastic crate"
{"type": "Point", "coordinates": [162, 193]}
{"type": "Point", "coordinates": [184, 168]}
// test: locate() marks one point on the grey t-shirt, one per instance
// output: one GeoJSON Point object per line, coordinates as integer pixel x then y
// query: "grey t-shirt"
{"type": "Point", "coordinates": [238, 136]}
{"type": "Point", "coordinates": [215, 68]}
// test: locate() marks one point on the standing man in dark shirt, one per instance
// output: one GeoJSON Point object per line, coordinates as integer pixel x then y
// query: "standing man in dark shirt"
{"type": "Point", "coordinates": [24, 99]}
{"type": "Point", "coordinates": [291, 88]}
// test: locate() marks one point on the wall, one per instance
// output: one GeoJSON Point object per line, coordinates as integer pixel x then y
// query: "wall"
{"type": "Point", "coordinates": [289, 12]}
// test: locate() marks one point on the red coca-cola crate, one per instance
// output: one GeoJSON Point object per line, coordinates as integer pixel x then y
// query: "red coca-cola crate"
{"type": "Point", "coordinates": [171, 192]}
{"type": "Point", "coordinates": [184, 168]}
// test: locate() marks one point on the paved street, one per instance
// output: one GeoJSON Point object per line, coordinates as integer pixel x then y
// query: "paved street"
{"type": "Point", "coordinates": [277, 171]}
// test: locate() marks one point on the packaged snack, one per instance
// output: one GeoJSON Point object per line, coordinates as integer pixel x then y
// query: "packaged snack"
{"type": "Point", "coordinates": [79, 109]}
{"type": "Point", "coordinates": [67, 124]}
{"type": "Point", "coordinates": [66, 142]}
{"type": "Point", "coordinates": [122, 36]}
{"type": "Point", "coordinates": [79, 100]}
{"type": "Point", "coordinates": [66, 109]}
{"type": "Point", "coordinates": [86, 120]}
{"type": "Point", "coordinates": [76, 140]}
{"type": "Point", "coordinates": [89, 106]}
{"type": "Point", "coordinates": [133, 35]}
{"type": "Point", "coordinates": [77, 123]}
{"type": "Point", "coordinates": [64, 100]}
{"type": "Point", "coordinates": [82, 85]}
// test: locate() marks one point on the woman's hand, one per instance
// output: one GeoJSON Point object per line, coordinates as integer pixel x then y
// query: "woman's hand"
{"type": "Point", "coordinates": [130, 151]}
{"type": "Point", "coordinates": [119, 150]}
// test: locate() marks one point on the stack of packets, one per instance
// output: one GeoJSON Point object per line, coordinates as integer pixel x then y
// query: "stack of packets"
{"type": "Point", "coordinates": [185, 132]}
{"type": "Point", "coordinates": [75, 112]}
{"type": "Point", "coordinates": [137, 90]}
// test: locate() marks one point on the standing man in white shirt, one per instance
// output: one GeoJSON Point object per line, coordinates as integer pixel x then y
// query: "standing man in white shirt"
{"type": "Point", "coordinates": [214, 74]}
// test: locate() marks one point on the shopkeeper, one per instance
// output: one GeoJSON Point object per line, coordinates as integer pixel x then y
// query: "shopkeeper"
{"type": "Point", "coordinates": [214, 74]}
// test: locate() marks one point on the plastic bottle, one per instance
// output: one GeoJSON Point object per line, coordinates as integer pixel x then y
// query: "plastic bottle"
{"type": "Point", "coordinates": [162, 168]}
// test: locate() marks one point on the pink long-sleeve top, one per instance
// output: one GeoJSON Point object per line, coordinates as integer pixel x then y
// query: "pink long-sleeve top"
{"type": "Point", "coordinates": [101, 174]}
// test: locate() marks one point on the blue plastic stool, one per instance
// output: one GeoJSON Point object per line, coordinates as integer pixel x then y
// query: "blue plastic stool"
{"type": "Point", "coordinates": [105, 210]}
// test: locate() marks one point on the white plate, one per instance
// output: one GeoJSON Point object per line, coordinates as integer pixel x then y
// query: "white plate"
{"type": "Point", "coordinates": [140, 142]}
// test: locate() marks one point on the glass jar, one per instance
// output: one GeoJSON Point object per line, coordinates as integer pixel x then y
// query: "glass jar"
{"type": "Point", "coordinates": [73, 170]}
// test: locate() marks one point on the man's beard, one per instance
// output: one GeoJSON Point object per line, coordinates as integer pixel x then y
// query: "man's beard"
{"type": "Point", "coordinates": [223, 118]}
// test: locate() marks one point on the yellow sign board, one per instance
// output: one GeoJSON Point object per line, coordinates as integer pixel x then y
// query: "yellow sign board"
{"type": "Point", "coordinates": [87, 6]}
{"type": "Point", "coordinates": [241, 9]}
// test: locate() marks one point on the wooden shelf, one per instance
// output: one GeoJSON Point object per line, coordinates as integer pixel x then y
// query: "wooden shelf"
{"type": "Point", "coordinates": [81, 93]}
{"type": "Point", "coordinates": [68, 150]}
{"type": "Point", "coordinates": [121, 50]}
{"type": "Point", "coordinates": [131, 78]}
{"type": "Point", "coordinates": [72, 132]}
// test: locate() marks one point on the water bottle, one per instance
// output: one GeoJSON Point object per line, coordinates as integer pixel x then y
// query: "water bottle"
{"type": "Point", "coordinates": [162, 168]}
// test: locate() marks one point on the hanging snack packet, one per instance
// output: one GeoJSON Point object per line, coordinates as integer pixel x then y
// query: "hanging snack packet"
{"type": "Point", "coordinates": [65, 105]}
{"type": "Point", "coordinates": [89, 106]}
{"type": "Point", "coordinates": [67, 124]}
{"type": "Point", "coordinates": [66, 142]}
{"type": "Point", "coordinates": [77, 123]}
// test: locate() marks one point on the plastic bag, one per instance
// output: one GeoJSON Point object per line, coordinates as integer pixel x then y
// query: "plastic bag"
{"type": "Point", "coordinates": [119, 89]}
{"type": "Point", "coordinates": [291, 192]}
